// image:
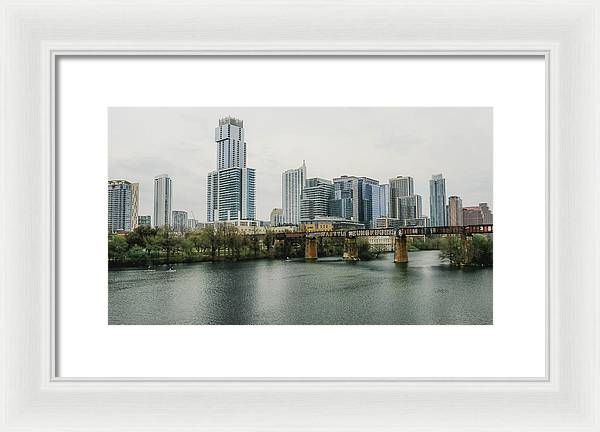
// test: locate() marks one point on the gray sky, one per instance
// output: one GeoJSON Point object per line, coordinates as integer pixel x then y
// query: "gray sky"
{"type": "Point", "coordinates": [374, 142]}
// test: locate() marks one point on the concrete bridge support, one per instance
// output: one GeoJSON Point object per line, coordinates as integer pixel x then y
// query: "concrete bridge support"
{"type": "Point", "coordinates": [350, 249]}
{"type": "Point", "coordinates": [310, 249]}
{"type": "Point", "coordinates": [400, 251]}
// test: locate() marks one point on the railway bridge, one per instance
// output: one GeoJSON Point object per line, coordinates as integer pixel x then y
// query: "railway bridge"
{"type": "Point", "coordinates": [400, 238]}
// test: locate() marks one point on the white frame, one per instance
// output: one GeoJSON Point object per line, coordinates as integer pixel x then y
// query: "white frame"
{"type": "Point", "coordinates": [33, 34]}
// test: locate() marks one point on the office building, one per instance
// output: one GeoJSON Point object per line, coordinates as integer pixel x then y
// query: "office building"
{"type": "Point", "coordinates": [455, 213]}
{"type": "Point", "coordinates": [409, 207]}
{"type": "Point", "coordinates": [180, 221]}
{"type": "Point", "coordinates": [292, 184]}
{"type": "Point", "coordinates": [437, 200]}
{"type": "Point", "coordinates": [192, 224]}
{"type": "Point", "coordinates": [384, 200]}
{"type": "Point", "coordinates": [314, 202]}
{"type": "Point", "coordinates": [477, 215]}
{"type": "Point", "coordinates": [144, 220]}
{"type": "Point", "coordinates": [399, 187]}
{"type": "Point", "coordinates": [163, 200]}
{"type": "Point", "coordinates": [231, 187]}
{"type": "Point", "coordinates": [486, 214]}
{"type": "Point", "coordinates": [276, 218]}
{"type": "Point", "coordinates": [123, 202]}
{"type": "Point", "coordinates": [356, 198]}
{"type": "Point", "coordinates": [472, 216]}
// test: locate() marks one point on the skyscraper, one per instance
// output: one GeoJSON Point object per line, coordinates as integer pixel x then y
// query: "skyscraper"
{"type": "Point", "coordinates": [409, 207]}
{"type": "Point", "coordinates": [400, 186]}
{"type": "Point", "coordinates": [180, 221]}
{"type": "Point", "coordinates": [455, 213]}
{"type": "Point", "coordinates": [163, 200]}
{"type": "Point", "coordinates": [123, 202]}
{"type": "Point", "coordinates": [314, 202]}
{"type": "Point", "coordinates": [437, 200]}
{"type": "Point", "coordinates": [292, 184]}
{"type": "Point", "coordinates": [356, 198]}
{"type": "Point", "coordinates": [486, 214]}
{"type": "Point", "coordinates": [384, 200]}
{"type": "Point", "coordinates": [231, 187]}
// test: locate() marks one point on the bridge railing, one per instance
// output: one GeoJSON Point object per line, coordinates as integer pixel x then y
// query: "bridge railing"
{"type": "Point", "coordinates": [407, 231]}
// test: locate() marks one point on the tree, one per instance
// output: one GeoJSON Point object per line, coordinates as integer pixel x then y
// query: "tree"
{"type": "Point", "coordinates": [364, 252]}
{"type": "Point", "coordinates": [117, 248]}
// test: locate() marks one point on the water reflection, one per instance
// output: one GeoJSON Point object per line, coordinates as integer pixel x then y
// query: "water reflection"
{"type": "Point", "coordinates": [294, 292]}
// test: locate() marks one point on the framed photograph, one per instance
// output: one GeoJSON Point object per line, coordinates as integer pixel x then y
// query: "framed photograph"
{"type": "Point", "coordinates": [281, 221]}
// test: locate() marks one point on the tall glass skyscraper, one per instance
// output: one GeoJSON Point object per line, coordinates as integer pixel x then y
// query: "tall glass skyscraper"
{"type": "Point", "coordinates": [123, 201]}
{"type": "Point", "coordinates": [163, 200]}
{"type": "Point", "coordinates": [437, 200]}
{"type": "Point", "coordinates": [292, 185]}
{"type": "Point", "coordinates": [356, 198]}
{"type": "Point", "coordinates": [231, 188]}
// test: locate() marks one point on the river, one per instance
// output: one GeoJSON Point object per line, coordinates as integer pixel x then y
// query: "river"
{"type": "Point", "coordinates": [330, 291]}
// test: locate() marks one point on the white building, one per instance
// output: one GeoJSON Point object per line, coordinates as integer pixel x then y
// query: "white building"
{"type": "Point", "coordinates": [292, 185]}
{"type": "Point", "coordinates": [163, 200]}
{"type": "Point", "coordinates": [180, 221]}
{"type": "Point", "coordinates": [231, 187]}
{"type": "Point", "coordinates": [276, 218]}
{"type": "Point", "coordinates": [123, 202]}
{"type": "Point", "coordinates": [400, 186]}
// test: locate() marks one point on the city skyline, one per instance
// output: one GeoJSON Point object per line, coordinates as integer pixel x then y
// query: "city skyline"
{"type": "Point", "coordinates": [380, 143]}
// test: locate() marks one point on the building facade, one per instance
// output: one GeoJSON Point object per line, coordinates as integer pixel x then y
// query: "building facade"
{"type": "Point", "coordinates": [437, 200]}
{"type": "Point", "coordinates": [163, 200]}
{"type": "Point", "coordinates": [276, 218]}
{"type": "Point", "coordinates": [384, 200]}
{"type": "Point", "coordinates": [292, 185]}
{"type": "Point", "coordinates": [314, 202]}
{"type": "Point", "coordinates": [399, 187]}
{"type": "Point", "coordinates": [409, 207]}
{"type": "Point", "coordinates": [145, 220]}
{"type": "Point", "coordinates": [180, 221]}
{"type": "Point", "coordinates": [455, 213]}
{"type": "Point", "coordinates": [231, 188]}
{"type": "Point", "coordinates": [477, 215]}
{"type": "Point", "coordinates": [356, 198]}
{"type": "Point", "coordinates": [123, 203]}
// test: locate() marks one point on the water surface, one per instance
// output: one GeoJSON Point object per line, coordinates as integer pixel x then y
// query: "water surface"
{"type": "Point", "coordinates": [330, 291]}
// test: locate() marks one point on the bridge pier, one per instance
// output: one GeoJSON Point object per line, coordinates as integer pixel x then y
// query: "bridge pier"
{"type": "Point", "coordinates": [350, 249]}
{"type": "Point", "coordinates": [400, 251]}
{"type": "Point", "coordinates": [310, 249]}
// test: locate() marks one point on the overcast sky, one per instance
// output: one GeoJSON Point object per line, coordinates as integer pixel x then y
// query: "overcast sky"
{"type": "Point", "coordinates": [374, 142]}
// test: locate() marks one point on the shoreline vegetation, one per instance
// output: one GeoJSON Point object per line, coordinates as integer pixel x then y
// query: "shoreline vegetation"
{"type": "Point", "coordinates": [147, 247]}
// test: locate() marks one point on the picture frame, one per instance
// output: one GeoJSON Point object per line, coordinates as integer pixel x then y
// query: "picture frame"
{"type": "Point", "coordinates": [35, 34]}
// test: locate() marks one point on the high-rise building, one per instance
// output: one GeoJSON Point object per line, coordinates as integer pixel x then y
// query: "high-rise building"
{"type": "Point", "coordinates": [486, 214]}
{"type": "Point", "coordinates": [292, 184]}
{"type": "Point", "coordinates": [276, 218]}
{"type": "Point", "coordinates": [231, 187]}
{"type": "Point", "coordinates": [472, 216]}
{"type": "Point", "coordinates": [144, 220]}
{"type": "Point", "coordinates": [455, 213]}
{"type": "Point", "coordinates": [163, 200]}
{"type": "Point", "coordinates": [314, 202]}
{"type": "Point", "coordinates": [180, 221]}
{"type": "Point", "coordinates": [400, 186]}
{"type": "Point", "coordinates": [384, 200]}
{"type": "Point", "coordinates": [437, 200]}
{"type": "Point", "coordinates": [409, 207]}
{"type": "Point", "coordinates": [477, 215]}
{"type": "Point", "coordinates": [123, 202]}
{"type": "Point", "coordinates": [356, 198]}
